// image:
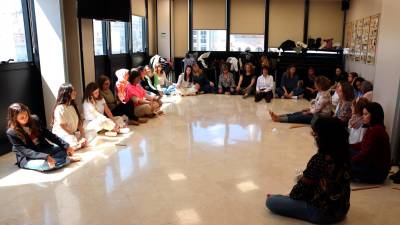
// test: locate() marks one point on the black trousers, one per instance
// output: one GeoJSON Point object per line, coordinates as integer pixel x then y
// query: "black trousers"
{"type": "Point", "coordinates": [264, 95]}
{"type": "Point", "coordinates": [127, 109]}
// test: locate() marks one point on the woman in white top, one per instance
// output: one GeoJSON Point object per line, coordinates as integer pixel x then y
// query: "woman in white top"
{"type": "Point", "coordinates": [264, 86]}
{"type": "Point", "coordinates": [66, 120]}
{"type": "Point", "coordinates": [94, 107]}
{"type": "Point", "coordinates": [185, 85]}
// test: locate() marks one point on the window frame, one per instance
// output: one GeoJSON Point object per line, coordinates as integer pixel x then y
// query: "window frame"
{"type": "Point", "coordinates": [144, 34]}
{"type": "Point", "coordinates": [28, 16]}
{"type": "Point", "coordinates": [199, 38]}
{"type": "Point", "coordinates": [263, 38]}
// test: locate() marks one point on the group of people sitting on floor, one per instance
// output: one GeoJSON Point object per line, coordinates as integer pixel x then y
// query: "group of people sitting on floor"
{"type": "Point", "coordinates": [104, 111]}
{"type": "Point", "coordinates": [348, 128]}
{"type": "Point", "coordinates": [352, 143]}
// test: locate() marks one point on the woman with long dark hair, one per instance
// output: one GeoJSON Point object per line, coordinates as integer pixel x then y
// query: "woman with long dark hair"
{"type": "Point", "coordinates": [66, 119]}
{"type": "Point", "coordinates": [322, 192]}
{"type": "Point", "coordinates": [371, 157]}
{"type": "Point", "coordinates": [185, 85]}
{"type": "Point", "coordinates": [94, 107]}
{"type": "Point", "coordinates": [118, 108]}
{"type": "Point", "coordinates": [290, 86]}
{"type": "Point", "coordinates": [30, 141]}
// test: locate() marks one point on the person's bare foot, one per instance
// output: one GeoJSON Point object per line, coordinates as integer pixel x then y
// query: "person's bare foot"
{"type": "Point", "coordinates": [133, 122]}
{"type": "Point", "coordinates": [74, 158]}
{"type": "Point", "coordinates": [160, 112]}
{"type": "Point", "coordinates": [274, 117]}
{"type": "Point", "coordinates": [142, 120]}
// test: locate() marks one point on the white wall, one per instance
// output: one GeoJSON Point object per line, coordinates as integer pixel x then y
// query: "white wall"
{"type": "Point", "coordinates": [358, 10]}
{"type": "Point", "coordinates": [164, 28]}
{"type": "Point", "coordinates": [387, 78]}
{"type": "Point", "coordinates": [49, 25]}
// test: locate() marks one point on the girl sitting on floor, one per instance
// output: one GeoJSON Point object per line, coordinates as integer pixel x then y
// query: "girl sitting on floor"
{"type": "Point", "coordinates": [321, 105]}
{"type": "Point", "coordinates": [185, 85]}
{"type": "Point", "coordinates": [371, 157]}
{"type": "Point", "coordinates": [30, 141]}
{"type": "Point", "coordinates": [247, 81]}
{"type": "Point", "coordinates": [94, 107]}
{"type": "Point", "coordinates": [66, 119]}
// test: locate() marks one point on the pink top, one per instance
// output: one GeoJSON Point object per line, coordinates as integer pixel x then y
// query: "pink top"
{"type": "Point", "coordinates": [134, 91]}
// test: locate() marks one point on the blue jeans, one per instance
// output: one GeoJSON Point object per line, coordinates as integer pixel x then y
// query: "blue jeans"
{"type": "Point", "coordinates": [296, 92]}
{"type": "Point", "coordinates": [169, 89]}
{"type": "Point", "coordinates": [367, 174]}
{"type": "Point", "coordinates": [58, 154]}
{"type": "Point", "coordinates": [285, 206]}
{"type": "Point", "coordinates": [297, 117]}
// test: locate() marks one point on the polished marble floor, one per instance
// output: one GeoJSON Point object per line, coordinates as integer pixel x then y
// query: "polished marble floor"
{"type": "Point", "coordinates": [210, 160]}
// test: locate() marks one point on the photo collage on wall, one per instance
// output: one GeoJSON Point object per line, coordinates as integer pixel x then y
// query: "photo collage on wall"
{"type": "Point", "coordinates": [362, 38]}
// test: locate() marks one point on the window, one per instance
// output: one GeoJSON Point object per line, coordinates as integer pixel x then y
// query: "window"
{"type": "Point", "coordinates": [119, 43]}
{"type": "Point", "coordinates": [209, 40]}
{"type": "Point", "coordinates": [243, 42]}
{"type": "Point", "coordinates": [138, 34]}
{"type": "Point", "coordinates": [99, 39]}
{"type": "Point", "coordinates": [13, 39]}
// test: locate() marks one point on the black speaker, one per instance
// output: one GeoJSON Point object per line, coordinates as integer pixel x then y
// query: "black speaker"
{"type": "Point", "coordinates": [345, 5]}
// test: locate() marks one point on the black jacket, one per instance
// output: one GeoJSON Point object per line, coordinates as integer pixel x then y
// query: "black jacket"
{"type": "Point", "coordinates": [28, 151]}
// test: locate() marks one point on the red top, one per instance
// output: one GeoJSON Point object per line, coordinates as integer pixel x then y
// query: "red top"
{"type": "Point", "coordinates": [374, 149]}
{"type": "Point", "coordinates": [134, 90]}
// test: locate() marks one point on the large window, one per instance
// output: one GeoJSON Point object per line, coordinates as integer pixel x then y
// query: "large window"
{"type": "Point", "coordinates": [119, 37]}
{"type": "Point", "coordinates": [99, 34]}
{"type": "Point", "coordinates": [209, 40]}
{"type": "Point", "coordinates": [138, 34]}
{"type": "Point", "coordinates": [13, 41]}
{"type": "Point", "coordinates": [243, 42]}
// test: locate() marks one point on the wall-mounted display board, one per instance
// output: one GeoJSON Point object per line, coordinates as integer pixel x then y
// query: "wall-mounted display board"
{"type": "Point", "coordinates": [361, 39]}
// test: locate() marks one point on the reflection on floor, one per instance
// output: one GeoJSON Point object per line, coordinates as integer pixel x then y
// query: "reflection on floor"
{"type": "Point", "coordinates": [210, 160]}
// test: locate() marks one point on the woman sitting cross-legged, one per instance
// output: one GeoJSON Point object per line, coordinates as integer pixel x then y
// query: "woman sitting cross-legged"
{"type": "Point", "coordinates": [226, 82]}
{"type": "Point", "coordinates": [118, 108]}
{"type": "Point", "coordinates": [346, 95]}
{"type": "Point", "coordinates": [264, 86]}
{"type": "Point", "coordinates": [322, 192]}
{"type": "Point", "coordinates": [66, 119]}
{"type": "Point", "coordinates": [185, 85]}
{"type": "Point", "coordinates": [146, 80]}
{"type": "Point", "coordinates": [371, 157]}
{"type": "Point", "coordinates": [94, 107]}
{"type": "Point", "coordinates": [290, 85]}
{"type": "Point", "coordinates": [202, 84]}
{"type": "Point", "coordinates": [145, 105]}
{"type": "Point", "coordinates": [31, 142]}
{"type": "Point", "coordinates": [247, 81]}
{"type": "Point", "coordinates": [321, 105]}
{"type": "Point", "coordinates": [161, 82]}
